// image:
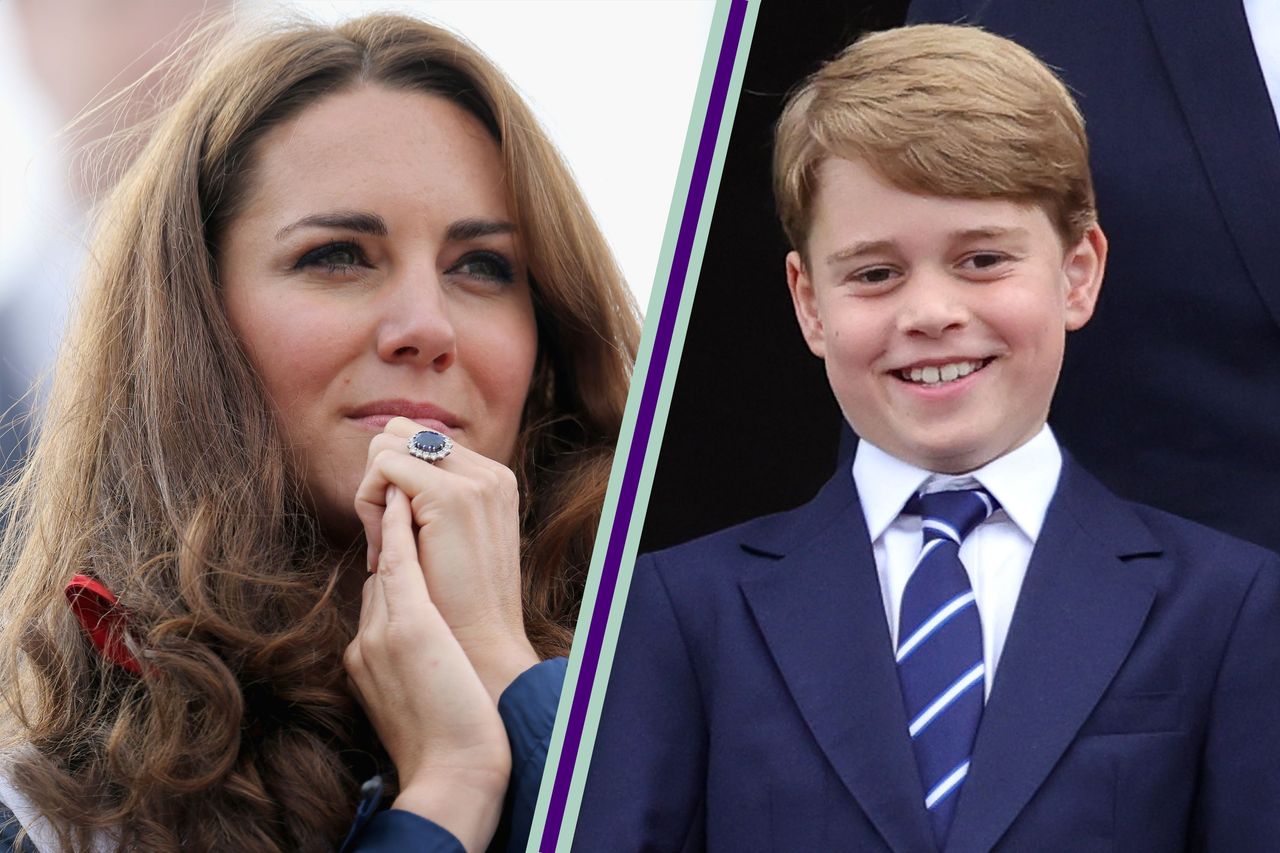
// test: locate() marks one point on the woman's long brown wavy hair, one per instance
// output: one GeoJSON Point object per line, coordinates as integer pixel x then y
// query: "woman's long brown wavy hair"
{"type": "Point", "coordinates": [160, 471]}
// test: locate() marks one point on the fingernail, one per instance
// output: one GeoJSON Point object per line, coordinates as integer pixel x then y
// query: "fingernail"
{"type": "Point", "coordinates": [369, 559]}
{"type": "Point", "coordinates": [393, 492]}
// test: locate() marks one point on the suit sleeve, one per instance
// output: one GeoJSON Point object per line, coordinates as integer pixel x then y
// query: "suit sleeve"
{"type": "Point", "coordinates": [528, 711]}
{"type": "Point", "coordinates": [1236, 804]}
{"type": "Point", "coordinates": [645, 788]}
{"type": "Point", "coordinates": [394, 831]}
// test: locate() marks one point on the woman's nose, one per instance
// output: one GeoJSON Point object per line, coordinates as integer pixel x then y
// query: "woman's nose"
{"type": "Point", "coordinates": [416, 326]}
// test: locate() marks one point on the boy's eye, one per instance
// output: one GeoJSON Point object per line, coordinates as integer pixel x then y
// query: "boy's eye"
{"type": "Point", "coordinates": [333, 257]}
{"type": "Point", "coordinates": [983, 260]}
{"type": "Point", "coordinates": [874, 275]}
{"type": "Point", "coordinates": [485, 265]}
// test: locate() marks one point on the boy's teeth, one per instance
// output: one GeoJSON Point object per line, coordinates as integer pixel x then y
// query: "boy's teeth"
{"type": "Point", "coordinates": [946, 373]}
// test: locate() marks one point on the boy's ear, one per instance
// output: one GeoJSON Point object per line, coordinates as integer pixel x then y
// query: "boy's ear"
{"type": "Point", "coordinates": [1084, 266]}
{"type": "Point", "coordinates": [805, 302]}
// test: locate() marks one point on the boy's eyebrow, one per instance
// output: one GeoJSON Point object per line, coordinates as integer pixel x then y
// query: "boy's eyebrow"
{"type": "Point", "coordinates": [982, 232]}
{"type": "Point", "coordinates": [989, 232]}
{"type": "Point", "coordinates": [862, 247]}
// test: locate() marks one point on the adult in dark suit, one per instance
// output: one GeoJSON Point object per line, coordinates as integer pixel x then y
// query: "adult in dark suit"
{"type": "Point", "coordinates": [1172, 395]}
{"type": "Point", "coordinates": [754, 703]}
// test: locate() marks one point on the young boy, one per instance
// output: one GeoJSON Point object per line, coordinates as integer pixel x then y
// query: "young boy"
{"type": "Point", "coordinates": [966, 642]}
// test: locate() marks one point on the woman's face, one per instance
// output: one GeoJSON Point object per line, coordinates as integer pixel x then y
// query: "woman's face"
{"type": "Point", "coordinates": [376, 271]}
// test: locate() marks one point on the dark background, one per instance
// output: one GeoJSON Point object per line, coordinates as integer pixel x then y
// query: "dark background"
{"type": "Point", "coordinates": [753, 427]}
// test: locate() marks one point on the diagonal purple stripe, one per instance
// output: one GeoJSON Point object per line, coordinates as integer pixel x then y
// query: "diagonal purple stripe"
{"type": "Point", "coordinates": [644, 426]}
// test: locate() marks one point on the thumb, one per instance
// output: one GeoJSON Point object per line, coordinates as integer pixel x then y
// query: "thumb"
{"type": "Point", "coordinates": [398, 563]}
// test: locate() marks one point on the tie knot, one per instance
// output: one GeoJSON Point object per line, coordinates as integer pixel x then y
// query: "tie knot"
{"type": "Point", "coordinates": [952, 515]}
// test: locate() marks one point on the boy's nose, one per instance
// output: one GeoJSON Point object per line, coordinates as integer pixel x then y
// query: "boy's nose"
{"type": "Point", "coordinates": [415, 324]}
{"type": "Point", "coordinates": [931, 309]}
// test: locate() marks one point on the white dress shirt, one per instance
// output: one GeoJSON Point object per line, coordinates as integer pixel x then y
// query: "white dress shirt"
{"type": "Point", "coordinates": [1264, 28]}
{"type": "Point", "coordinates": [995, 555]}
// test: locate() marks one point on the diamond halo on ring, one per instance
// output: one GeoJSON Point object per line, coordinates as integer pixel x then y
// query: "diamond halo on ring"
{"type": "Point", "coordinates": [430, 445]}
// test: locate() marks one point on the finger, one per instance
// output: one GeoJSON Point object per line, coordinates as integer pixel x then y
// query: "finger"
{"type": "Point", "coordinates": [395, 439]}
{"type": "Point", "coordinates": [377, 605]}
{"type": "Point", "coordinates": [354, 658]}
{"type": "Point", "coordinates": [385, 441]}
{"type": "Point", "coordinates": [370, 495]}
{"type": "Point", "coordinates": [398, 568]}
{"type": "Point", "coordinates": [371, 501]}
{"type": "Point", "coordinates": [390, 467]}
{"type": "Point", "coordinates": [366, 610]}
{"type": "Point", "coordinates": [480, 496]}
{"type": "Point", "coordinates": [370, 516]}
{"type": "Point", "coordinates": [403, 429]}
{"type": "Point", "coordinates": [415, 477]}
{"type": "Point", "coordinates": [353, 687]}
{"type": "Point", "coordinates": [353, 662]}
{"type": "Point", "coordinates": [463, 477]}
{"type": "Point", "coordinates": [411, 476]}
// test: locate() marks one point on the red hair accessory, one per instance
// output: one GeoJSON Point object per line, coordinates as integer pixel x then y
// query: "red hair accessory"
{"type": "Point", "coordinates": [103, 619]}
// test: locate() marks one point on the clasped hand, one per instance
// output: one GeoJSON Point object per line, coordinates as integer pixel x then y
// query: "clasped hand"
{"type": "Point", "coordinates": [441, 631]}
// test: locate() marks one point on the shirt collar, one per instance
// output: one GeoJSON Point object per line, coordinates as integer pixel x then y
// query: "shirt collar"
{"type": "Point", "coordinates": [1023, 480]}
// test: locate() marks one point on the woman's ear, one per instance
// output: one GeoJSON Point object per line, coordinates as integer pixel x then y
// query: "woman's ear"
{"type": "Point", "coordinates": [1084, 266]}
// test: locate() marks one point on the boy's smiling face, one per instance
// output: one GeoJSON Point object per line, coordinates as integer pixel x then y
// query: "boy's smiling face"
{"type": "Point", "coordinates": [941, 320]}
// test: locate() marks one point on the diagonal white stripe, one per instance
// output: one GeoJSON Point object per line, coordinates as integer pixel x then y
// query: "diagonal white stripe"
{"type": "Point", "coordinates": [933, 623]}
{"type": "Point", "coordinates": [986, 500]}
{"type": "Point", "coordinates": [937, 706]}
{"type": "Point", "coordinates": [926, 550]}
{"type": "Point", "coordinates": [942, 527]}
{"type": "Point", "coordinates": [947, 785]}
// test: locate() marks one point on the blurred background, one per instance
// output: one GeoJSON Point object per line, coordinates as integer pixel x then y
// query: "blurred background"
{"type": "Point", "coordinates": [612, 82]}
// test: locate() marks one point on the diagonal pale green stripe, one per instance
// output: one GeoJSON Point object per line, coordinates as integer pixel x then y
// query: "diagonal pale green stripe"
{"type": "Point", "coordinates": [714, 41]}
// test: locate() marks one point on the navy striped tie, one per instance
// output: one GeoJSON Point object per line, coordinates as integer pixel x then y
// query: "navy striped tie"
{"type": "Point", "coordinates": [939, 654]}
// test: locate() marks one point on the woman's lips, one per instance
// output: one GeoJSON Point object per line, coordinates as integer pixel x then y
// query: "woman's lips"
{"type": "Point", "coordinates": [377, 414]}
{"type": "Point", "coordinates": [379, 422]}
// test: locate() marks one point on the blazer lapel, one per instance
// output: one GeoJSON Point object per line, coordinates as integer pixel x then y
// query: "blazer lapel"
{"type": "Point", "coordinates": [1214, 70]}
{"type": "Point", "coordinates": [821, 612]}
{"type": "Point", "coordinates": [1078, 615]}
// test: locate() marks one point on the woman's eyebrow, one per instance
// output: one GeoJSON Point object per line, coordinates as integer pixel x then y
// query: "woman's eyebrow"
{"type": "Point", "coordinates": [374, 225]}
{"type": "Point", "coordinates": [349, 220]}
{"type": "Point", "coordinates": [471, 229]}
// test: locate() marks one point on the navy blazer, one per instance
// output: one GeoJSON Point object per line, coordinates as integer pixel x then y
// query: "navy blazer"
{"type": "Point", "coordinates": [754, 702]}
{"type": "Point", "coordinates": [528, 711]}
{"type": "Point", "coordinates": [1171, 394]}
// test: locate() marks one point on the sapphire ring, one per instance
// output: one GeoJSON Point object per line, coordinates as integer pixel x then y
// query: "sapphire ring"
{"type": "Point", "coordinates": [430, 446]}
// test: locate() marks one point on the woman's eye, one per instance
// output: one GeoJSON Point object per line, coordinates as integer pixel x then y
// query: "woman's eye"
{"type": "Point", "coordinates": [485, 265]}
{"type": "Point", "coordinates": [333, 257]}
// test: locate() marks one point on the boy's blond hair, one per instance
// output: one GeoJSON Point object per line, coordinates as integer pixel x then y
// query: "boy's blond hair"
{"type": "Point", "coordinates": [940, 110]}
